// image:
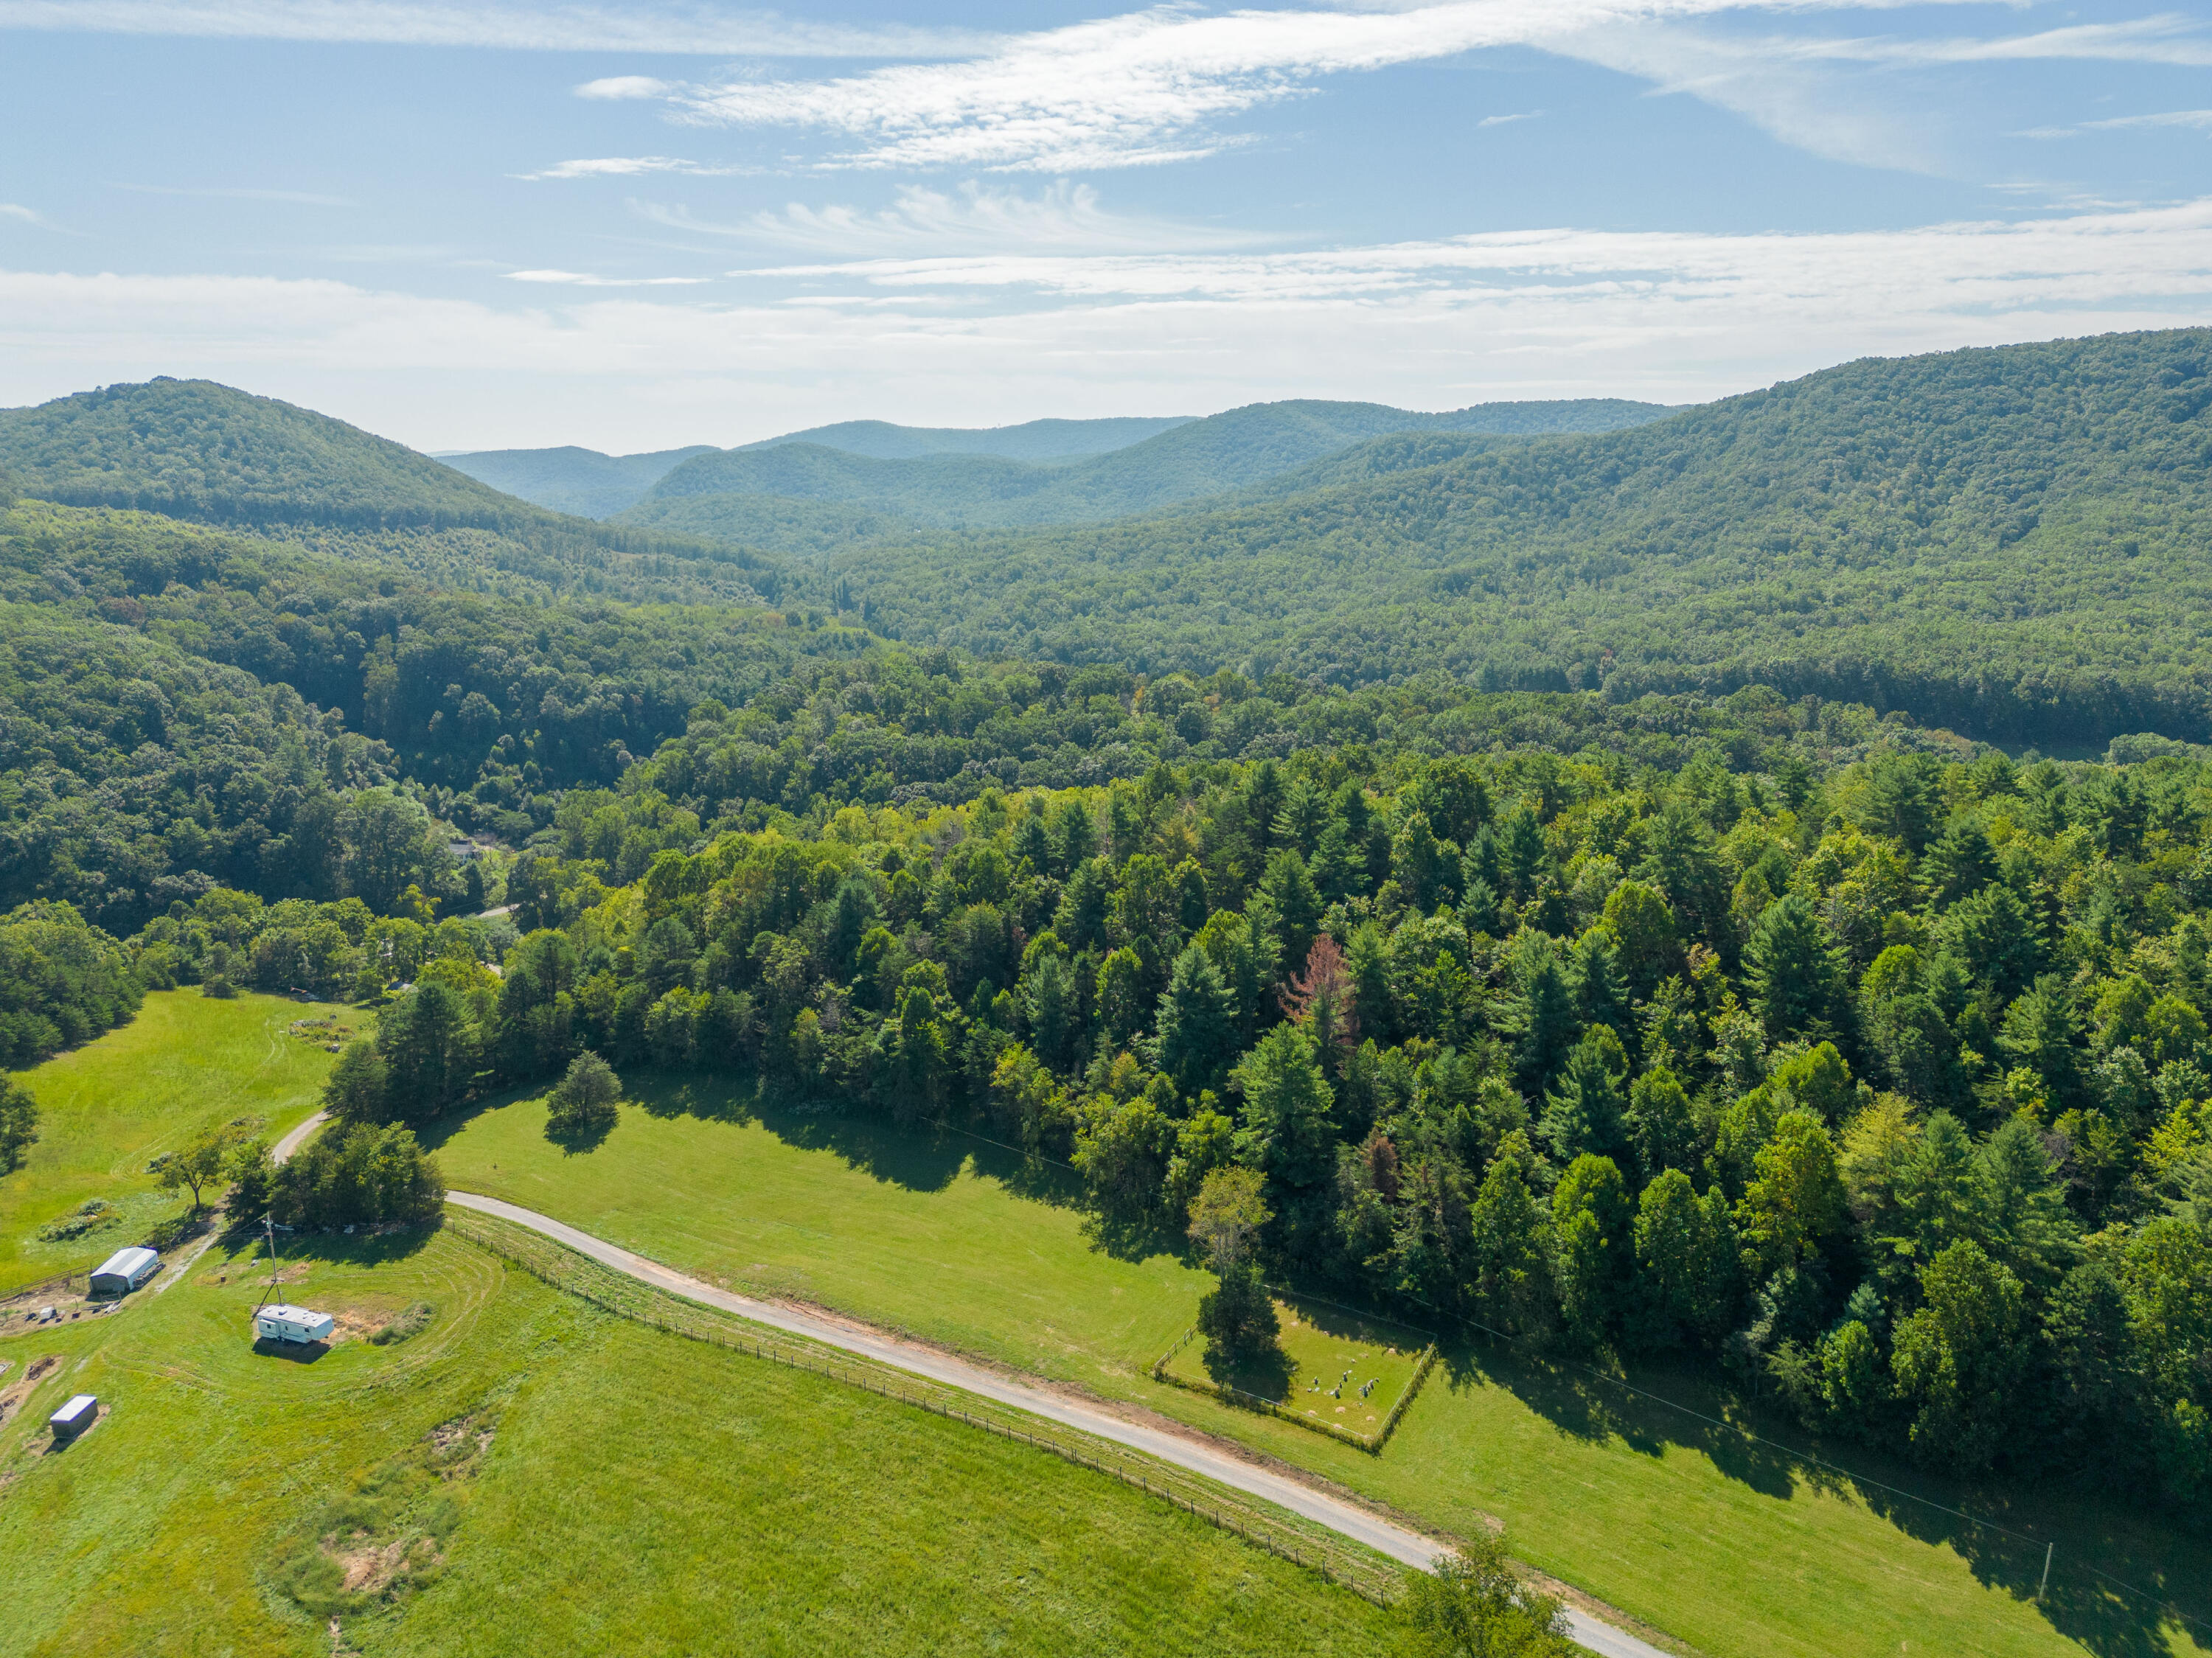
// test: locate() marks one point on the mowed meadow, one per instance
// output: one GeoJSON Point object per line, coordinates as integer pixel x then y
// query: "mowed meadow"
{"type": "Point", "coordinates": [1642, 1499]}
{"type": "Point", "coordinates": [187, 1062]}
{"type": "Point", "coordinates": [635, 1493]}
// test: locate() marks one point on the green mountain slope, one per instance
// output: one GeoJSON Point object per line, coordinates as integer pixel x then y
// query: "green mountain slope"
{"type": "Point", "coordinates": [1033, 441]}
{"type": "Point", "coordinates": [2011, 541]}
{"type": "Point", "coordinates": [789, 524]}
{"type": "Point", "coordinates": [1196, 459]}
{"type": "Point", "coordinates": [196, 450]}
{"type": "Point", "coordinates": [571, 480]}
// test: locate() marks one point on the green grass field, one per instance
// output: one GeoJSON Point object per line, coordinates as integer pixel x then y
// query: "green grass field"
{"type": "Point", "coordinates": [1737, 1547]}
{"type": "Point", "coordinates": [108, 1108]}
{"type": "Point", "coordinates": [642, 1494]}
{"type": "Point", "coordinates": [1332, 1365]}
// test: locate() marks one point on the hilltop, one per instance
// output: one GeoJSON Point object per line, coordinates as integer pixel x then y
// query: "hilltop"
{"type": "Point", "coordinates": [735, 494]}
{"type": "Point", "coordinates": [196, 449]}
{"type": "Point", "coordinates": [2010, 541]}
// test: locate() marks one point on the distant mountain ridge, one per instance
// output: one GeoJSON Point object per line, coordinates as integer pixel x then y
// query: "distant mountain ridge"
{"type": "Point", "coordinates": [2008, 540]}
{"type": "Point", "coordinates": [571, 479]}
{"type": "Point", "coordinates": [1031, 440]}
{"type": "Point", "coordinates": [728, 493]}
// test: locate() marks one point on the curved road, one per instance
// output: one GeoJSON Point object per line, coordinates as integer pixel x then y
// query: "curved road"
{"type": "Point", "coordinates": [1347, 1518]}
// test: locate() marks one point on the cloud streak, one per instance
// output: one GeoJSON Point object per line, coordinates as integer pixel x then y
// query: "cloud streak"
{"type": "Point", "coordinates": [634, 166]}
{"type": "Point", "coordinates": [986, 338]}
{"type": "Point", "coordinates": [579, 279]}
{"type": "Point", "coordinates": [683, 29]}
{"type": "Point", "coordinates": [1154, 85]}
{"type": "Point", "coordinates": [1064, 218]}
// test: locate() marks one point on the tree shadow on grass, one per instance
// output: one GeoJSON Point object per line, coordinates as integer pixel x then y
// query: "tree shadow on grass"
{"type": "Point", "coordinates": [580, 1139]}
{"type": "Point", "coordinates": [922, 1157]}
{"type": "Point", "coordinates": [364, 1248]}
{"type": "Point", "coordinates": [2000, 1529]}
{"type": "Point", "coordinates": [1265, 1374]}
{"type": "Point", "coordinates": [1119, 1237]}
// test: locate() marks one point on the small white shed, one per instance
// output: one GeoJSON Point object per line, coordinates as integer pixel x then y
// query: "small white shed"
{"type": "Point", "coordinates": [74, 1418]}
{"type": "Point", "coordinates": [282, 1323]}
{"type": "Point", "coordinates": [124, 1271]}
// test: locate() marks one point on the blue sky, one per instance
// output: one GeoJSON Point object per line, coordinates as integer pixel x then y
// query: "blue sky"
{"type": "Point", "coordinates": [635, 227]}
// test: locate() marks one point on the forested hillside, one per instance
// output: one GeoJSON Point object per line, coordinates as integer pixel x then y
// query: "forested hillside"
{"type": "Point", "coordinates": [1193, 459]}
{"type": "Point", "coordinates": [192, 449]}
{"type": "Point", "coordinates": [174, 696]}
{"type": "Point", "coordinates": [1874, 1072]}
{"type": "Point", "coordinates": [2010, 542]}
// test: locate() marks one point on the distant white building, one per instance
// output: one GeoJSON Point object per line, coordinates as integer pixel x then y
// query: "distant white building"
{"type": "Point", "coordinates": [124, 1271]}
{"type": "Point", "coordinates": [281, 1323]}
{"type": "Point", "coordinates": [74, 1418]}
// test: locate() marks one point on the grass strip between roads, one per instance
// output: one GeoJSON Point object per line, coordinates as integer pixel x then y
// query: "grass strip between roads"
{"type": "Point", "coordinates": [1336, 1558]}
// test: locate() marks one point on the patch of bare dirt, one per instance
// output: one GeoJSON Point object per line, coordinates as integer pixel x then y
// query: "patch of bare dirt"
{"type": "Point", "coordinates": [370, 1569]}
{"type": "Point", "coordinates": [459, 1446]}
{"type": "Point", "coordinates": [12, 1397]}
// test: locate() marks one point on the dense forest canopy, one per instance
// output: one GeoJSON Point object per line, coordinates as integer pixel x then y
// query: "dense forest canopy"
{"type": "Point", "coordinates": [172, 695]}
{"type": "Point", "coordinates": [2007, 542]}
{"type": "Point", "coordinates": [1882, 1081]}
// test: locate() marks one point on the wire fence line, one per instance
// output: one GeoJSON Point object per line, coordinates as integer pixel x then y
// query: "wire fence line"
{"type": "Point", "coordinates": [1305, 1543]}
{"type": "Point", "coordinates": [1371, 1443]}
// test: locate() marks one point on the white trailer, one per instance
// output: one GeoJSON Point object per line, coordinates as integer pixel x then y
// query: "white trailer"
{"type": "Point", "coordinates": [74, 1418]}
{"type": "Point", "coordinates": [282, 1323]}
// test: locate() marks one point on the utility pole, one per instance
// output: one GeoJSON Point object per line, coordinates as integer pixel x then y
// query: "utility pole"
{"type": "Point", "coordinates": [2045, 1583]}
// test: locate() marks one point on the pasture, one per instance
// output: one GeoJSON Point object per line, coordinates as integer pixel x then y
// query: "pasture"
{"type": "Point", "coordinates": [1645, 1497]}
{"type": "Point", "coordinates": [108, 1108]}
{"type": "Point", "coordinates": [527, 1472]}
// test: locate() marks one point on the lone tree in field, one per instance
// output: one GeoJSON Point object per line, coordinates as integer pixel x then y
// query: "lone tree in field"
{"type": "Point", "coordinates": [204, 1161]}
{"type": "Point", "coordinates": [1472, 1606]}
{"type": "Point", "coordinates": [1237, 1318]}
{"type": "Point", "coordinates": [583, 1101]}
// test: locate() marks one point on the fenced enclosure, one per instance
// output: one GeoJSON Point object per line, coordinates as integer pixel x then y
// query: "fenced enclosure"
{"type": "Point", "coordinates": [1334, 1370]}
{"type": "Point", "coordinates": [1291, 1537]}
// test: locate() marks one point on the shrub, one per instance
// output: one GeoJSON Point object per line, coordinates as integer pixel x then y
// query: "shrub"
{"type": "Point", "coordinates": [416, 1320]}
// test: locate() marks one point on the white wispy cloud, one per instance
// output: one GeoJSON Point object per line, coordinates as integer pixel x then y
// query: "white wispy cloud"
{"type": "Point", "coordinates": [2090, 258]}
{"type": "Point", "coordinates": [633, 166]}
{"type": "Point", "coordinates": [2200, 119]}
{"type": "Point", "coordinates": [1065, 217]}
{"type": "Point", "coordinates": [1155, 85]}
{"type": "Point", "coordinates": [987, 337]}
{"type": "Point", "coordinates": [1122, 91]}
{"type": "Point", "coordinates": [1507, 120]}
{"type": "Point", "coordinates": [683, 30]}
{"type": "Point", "coordinates": [27, 216]}
{"type": "Point", "coordinates": [580, 279]}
